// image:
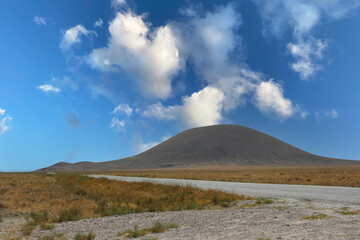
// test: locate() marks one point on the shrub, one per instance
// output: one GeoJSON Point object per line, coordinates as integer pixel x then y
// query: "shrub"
{"type": "Point", "coordinates": [72, 214]}
{"type": "Point", "coordinates": [80, 236]}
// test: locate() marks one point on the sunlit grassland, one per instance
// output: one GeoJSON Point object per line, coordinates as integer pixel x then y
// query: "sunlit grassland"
{"type": "Point", "coordinates": [326, 176]}
{"type": "Point", "coordinates": [45, 199]}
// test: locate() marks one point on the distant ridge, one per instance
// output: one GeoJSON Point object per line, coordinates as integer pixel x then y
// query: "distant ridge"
{"type": "Point", "coordinates": [218, 145]}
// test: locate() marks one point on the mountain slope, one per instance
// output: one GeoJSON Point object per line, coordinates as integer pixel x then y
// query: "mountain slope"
{"type": "Point", "coordinates": [218, 145]}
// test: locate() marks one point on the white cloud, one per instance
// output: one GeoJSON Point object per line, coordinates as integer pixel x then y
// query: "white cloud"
{"type": "Point", "coordinates": [160, 112]}
{"type": "Point", "coordinates": [98, 23]}
{"type": "Point", "coordinates": [47, 88]}
{"type": "Point", "coordinates": [4, 121]}
{"type": "Point", "coordinates": [64, 82]}
{"type": "Point", "coordinates": [73, 35]}
{"type": "Point", "coordinates": [270, 100]}
{"type": "Point", "coordinates": [202, 108]}
{"type": "Point", "coordinates": [140, 146]}
{"type": "Point", "coordinates": [123, 109]}
{"type": "Point", "coordinates": [305, 54]}
{"type": "Point", "coordinates": [301, 16]}
{"type": "Point", "coordinates": [332, 114]}
{"type": "Point", "coordinates": [117, 125]}
{"type": "Point", "coordinates": [40, 20]}
{"type": "Point", "coordinates": [150, 57]}
{"type": "Point", "coordinates": [117, 3]}
{"type": "Point", "coordinates": [208, 42]}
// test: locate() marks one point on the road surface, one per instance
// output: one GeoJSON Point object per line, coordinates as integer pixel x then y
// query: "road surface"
{"type": "Point", "coordinates": [346, 195]}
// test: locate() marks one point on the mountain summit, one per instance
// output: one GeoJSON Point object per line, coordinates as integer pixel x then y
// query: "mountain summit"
{"type": "Point", "coordinates": [218, 145]}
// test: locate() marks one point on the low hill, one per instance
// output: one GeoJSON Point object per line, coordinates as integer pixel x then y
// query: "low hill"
{"type": "Point", "coordinates": [218, 145]}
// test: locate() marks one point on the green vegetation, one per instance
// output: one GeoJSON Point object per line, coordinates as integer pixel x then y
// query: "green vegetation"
{"type": "Point", "coordinates": [80, 236]}
{"type": "Point", "coordinates": [158, 227]}
{"type": "Point", "coordinates": [315, 217]}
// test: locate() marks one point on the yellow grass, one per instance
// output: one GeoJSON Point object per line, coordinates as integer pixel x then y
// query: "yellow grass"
{"type": "Point", "coordinates": [330, 176]}
{"type": "Point", "coordinates": [64, 197]}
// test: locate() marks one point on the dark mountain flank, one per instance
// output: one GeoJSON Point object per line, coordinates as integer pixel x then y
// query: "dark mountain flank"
{"type": "Point", "coordinates": [219, 145]}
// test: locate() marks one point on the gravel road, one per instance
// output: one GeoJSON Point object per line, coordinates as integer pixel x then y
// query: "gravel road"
{"type": "Point", "coordinates": [345, 195]}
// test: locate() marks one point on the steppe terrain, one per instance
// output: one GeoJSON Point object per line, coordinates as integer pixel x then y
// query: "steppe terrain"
{"type": "Point", "coordinates": [71, 206]}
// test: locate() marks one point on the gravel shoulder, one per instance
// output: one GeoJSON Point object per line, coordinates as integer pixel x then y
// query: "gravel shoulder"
{"type": "Point", "coordinates": [281, 220]}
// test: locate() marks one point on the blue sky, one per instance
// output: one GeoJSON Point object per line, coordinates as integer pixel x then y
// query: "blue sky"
{"type": "Point", "coordinates": [102, 80]}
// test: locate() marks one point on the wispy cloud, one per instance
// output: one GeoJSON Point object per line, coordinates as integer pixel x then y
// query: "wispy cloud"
{"type": "Point", "coordinates": [123, 109]}
{"type": "Point", "coordinates": [301, 17]}
{"type": "Point", "coordinates": [139, 146]}
{"type": "Point", "coordinates": [40, 21]}
{"type": "Point", "coordinates": [120, 110]}
{"type": "Point", "coordinates": [117, 125]}
{"type": "Point", "coordinates": [47, 88]}
{"type": "Point", "coordinates": [73, 35]}
{"type": "Point", "coordinates": [332, 114]}
{"type": "Point", "coordinates": [4, 121]}
{"type": "Point", "coordinates": [99, 23]}
{"type": "Point", "coordinates": [305, 54]}
{"type": "Point", "coordinates": [118, 3]}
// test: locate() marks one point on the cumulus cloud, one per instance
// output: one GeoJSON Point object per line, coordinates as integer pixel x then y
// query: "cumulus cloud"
{"type": "Point", "coordinates": [40, 20]}
{"type": "Point", "coordinates": [208, 43]}
{"type": "Point", "coordinates": [72, 120]}
{"type": "Point", "coordinates": [332, 114]}
{"type": "Point", "coordinates": [4, 121]}
{"type": "Point", "coordinates": [301, 16]}
{"type": "Point", "coordinates": [117, 125]}
{"type": "Point", "coordinates": [209, 40]}
{"type": "Point", "coordinates": [270, 100]}
{"type": "Point", "coordinates": [47, 88]}
{"type": "Point", "coordinates": [73, 35]}
{"type": "Point", "coordinates": [305, 54]}
{"type": "Point", "coordinates": [149, 57]}
{"type": "Point", "coordinates": [200, 109]}
{"type": "Point", "coordinates": [98, 23]}
{"type": "Point", "coordinates": [123, 109]}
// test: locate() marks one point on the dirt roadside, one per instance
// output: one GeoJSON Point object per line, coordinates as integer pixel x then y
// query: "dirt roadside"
{"type": "Point", "coordinates": [283, 219]}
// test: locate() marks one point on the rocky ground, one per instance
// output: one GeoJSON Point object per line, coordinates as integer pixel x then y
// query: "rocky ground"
{"type": "Point", "coordinates": [283, 219]}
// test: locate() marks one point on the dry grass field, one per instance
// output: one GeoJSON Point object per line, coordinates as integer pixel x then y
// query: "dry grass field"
{"type": "Point", "coordinates": [328, 176]}
{"type": "Point", "coordinates": [44, 199]}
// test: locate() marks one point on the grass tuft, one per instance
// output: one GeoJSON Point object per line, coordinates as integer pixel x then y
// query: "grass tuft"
{"type": "Point", "coordinates": [157, 227]}
{"type": "Point", "coordinates": [47, 226]}
{"type": "Point", "coordinates": [80, 236]}
{"type": "Point", "coordinates": [315, 217]}
{"type": "Point", "coordinates": [346, 212]}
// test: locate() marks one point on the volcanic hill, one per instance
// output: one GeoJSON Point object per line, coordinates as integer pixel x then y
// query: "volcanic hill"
{"type": "Point", "coordinates": [218, 145]}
